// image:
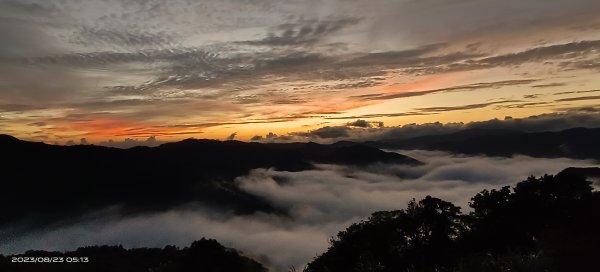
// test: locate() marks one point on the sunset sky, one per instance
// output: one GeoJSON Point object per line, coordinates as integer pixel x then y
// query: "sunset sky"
{"type": "Point", "coordinates": [118, 69]}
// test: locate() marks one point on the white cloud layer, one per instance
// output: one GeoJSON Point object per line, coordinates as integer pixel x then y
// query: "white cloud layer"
{"type": "Point", "coordinates": [321, 203]}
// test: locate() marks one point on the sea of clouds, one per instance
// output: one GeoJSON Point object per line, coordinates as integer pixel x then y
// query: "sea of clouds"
{"type": "Point", "coordinates": [319, 202]}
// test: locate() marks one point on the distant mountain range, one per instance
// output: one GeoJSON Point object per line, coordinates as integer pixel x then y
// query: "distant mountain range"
{"type": "Point", "coordinates": [578, 143]}
{"type": "Point", "coordinates": [44, 183]}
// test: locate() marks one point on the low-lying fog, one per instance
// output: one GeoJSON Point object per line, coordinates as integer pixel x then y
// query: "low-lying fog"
{"type": "Point", "coordinates": [321, 202]}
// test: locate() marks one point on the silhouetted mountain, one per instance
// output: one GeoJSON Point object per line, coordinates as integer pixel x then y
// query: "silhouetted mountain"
{"type": "Point", "coordinates": [580, 143]}
{"type": "Point", "coordinates": [436, 139]}
{"type": "Point", "coordinates": [591, 173]}
{"type": "Point", "coordinates": [43, 183]}
{"type": "Point", "coordinates": [588, 172]}
{"type": "Point", "coordinates": [203, 255]}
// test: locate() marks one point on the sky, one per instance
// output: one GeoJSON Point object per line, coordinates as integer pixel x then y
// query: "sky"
{"type": "Point", "coordinates": [151, 71]}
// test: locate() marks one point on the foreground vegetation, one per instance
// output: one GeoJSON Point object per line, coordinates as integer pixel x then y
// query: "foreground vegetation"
{"type": "Point", "coordinates": [549, 223]}
{"type": "Point", "coordinates": [202, 255]}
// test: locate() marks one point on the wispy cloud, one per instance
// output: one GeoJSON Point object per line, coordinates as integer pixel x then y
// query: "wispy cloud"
{"type": "Point", "coordinates": [152, 63]}
{"type": "Point", "coordinates": [579, 98]}
{"type": "Point", "coordinates": [465, 107]}
{"type": "Point", "coordinates": [469, 87]}
{"type": "Point", "coordinates": [303, 33]}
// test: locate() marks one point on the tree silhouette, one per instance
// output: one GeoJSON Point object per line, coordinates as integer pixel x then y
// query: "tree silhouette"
{"type": "Point", "coordinates": [548, 223]}
{"type": "Point", "coordinates": [396, 240]}
{"type": "Point", "coordinates": [203, 255]}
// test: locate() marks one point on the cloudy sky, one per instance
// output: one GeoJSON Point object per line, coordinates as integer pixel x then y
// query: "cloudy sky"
{"type": "Point", "coordinates": [133, 69]}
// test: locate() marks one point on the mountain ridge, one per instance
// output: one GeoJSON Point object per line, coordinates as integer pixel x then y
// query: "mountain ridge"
{"type": "Point", "coordinates": [577, 143]}
{"type": "Point", "coordinates": [49, 183]}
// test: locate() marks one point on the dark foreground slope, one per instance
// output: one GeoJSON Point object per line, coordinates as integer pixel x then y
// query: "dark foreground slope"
{"type": "Point", "coordinates": [203, 255]}
{"type": "Point", "coordinates": [43, 183]}
{"type": "Point", "coordinates": [545, 224]}
{"type": "Point", "coordinates": [580, 143]}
